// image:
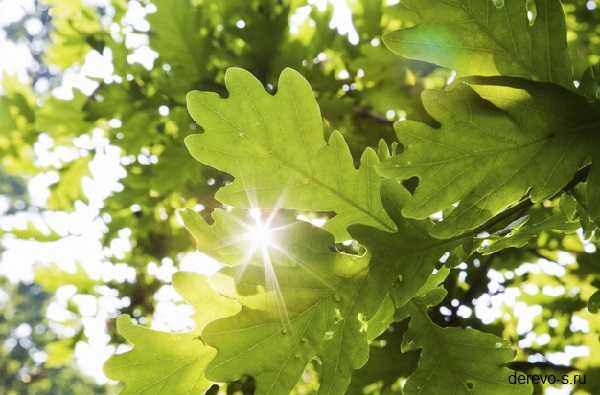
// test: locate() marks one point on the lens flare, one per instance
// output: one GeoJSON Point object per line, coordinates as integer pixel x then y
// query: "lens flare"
{"type": "Point", "coordinates": [262, 241]}
{"type": "Point", "coordinates": [259, 234]}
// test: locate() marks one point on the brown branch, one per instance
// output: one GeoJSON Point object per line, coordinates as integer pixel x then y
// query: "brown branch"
{"type": "Point", "coordinates": [525, 204]}
{"type": "Point", "coordinates": [525, 366]}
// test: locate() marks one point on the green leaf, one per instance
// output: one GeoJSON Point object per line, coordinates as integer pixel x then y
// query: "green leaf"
{"type": "Point", "coordinates": [16, 133]}
{"type": "Point", "coordinates": [594, 303]}
{"type": "Point", "coordinates": [69, 189]}
{"type": "Point", "coordinates": [31, 232]}
{"type": "Point", "coordinates": [401, 263]}
{"type": "Point", "coordinates": [159, 362]}
{"type": "Point", "coordinates": [255, 342]}
{"type": "Point", "coordinates": [331, 300]}
{"type": "Point", "coordinates": [585, 209]}
{"type": "Point", "coordinates": [6, 117]}
{"type": "Point", "coordinates": [137, 113]}
{"type": "Point", "coordinates": [386, 364]}
{"type": "Point", "coordinates": [593, 190]}
{"type": "Point", "coordinates": [590, 83]}
{"type": "Point", "coordinates": [60, 353]}
{"type": "Point", "coordinates": [274, 147]}
{"type": "Point", "coordinates": [408, 256]}
{"type": "Point", "coordinates": [51, 278]}
{"type": "Point", "coordinates": [479, 38]}
{"type": "Point", "coordinates": [180, 40]}
{"type": "Point", "coordinates": [276, 334]}
{"type": "Point", "coordinates": [170, 362]}
{"type": "Point", "coordinates": [63, 119]}
{"type": "Point", "coordinates": [525, 138]}
{"type": "Point", "coordinates": [455, 360]}
{"type": "Point", "coordinates": [73, 35]}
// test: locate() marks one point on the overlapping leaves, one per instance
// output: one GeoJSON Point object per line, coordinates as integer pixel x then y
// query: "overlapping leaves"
{"type": "Point", "coordinates": [304, 301]}
{"type": "Point", "coordinates": [500, 139]}
{"type": "Point", "coordinates": [280, 158]}
{"type": "Point", "coordinates": [277, 329]}
{"type": "Point", "coordinates": [475, 360]}
{"type": "Point", "coordinates": [298, 298]}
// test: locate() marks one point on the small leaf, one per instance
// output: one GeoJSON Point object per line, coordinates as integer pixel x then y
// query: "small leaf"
{"type": "Point", "coordinates": [62, 119]}
{"type": "Point", "coordinates": [69, 187]}
{"type": "Point", "coordinates": [60, 353]}
{"type": "Point", "coordinates": [593, 190]}
{"type": "Point", "coordinates": [594, 303]}
{"type": "Point", "coordinates": [51, 278]}
{"type": "Point", "coordinates": [31, 232]}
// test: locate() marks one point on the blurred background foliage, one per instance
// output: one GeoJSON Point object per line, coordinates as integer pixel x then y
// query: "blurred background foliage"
{"type": "Point", "coordinates": [93, 128]}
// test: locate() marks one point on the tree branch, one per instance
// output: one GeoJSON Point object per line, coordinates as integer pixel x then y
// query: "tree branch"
{"type": "Point", "coordinates": [364, 113]}
{"type": "Point", "coordinates": [526, 366]}
{"type": "Point", "coordinates": [525, 204]}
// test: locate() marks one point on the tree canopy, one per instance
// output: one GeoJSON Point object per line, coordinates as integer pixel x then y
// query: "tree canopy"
{"type": "Point", "coordinates": [281, 197]}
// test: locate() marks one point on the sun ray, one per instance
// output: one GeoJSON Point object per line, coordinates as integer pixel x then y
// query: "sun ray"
{"type": "Point", "coordinates": [259, 235]}
{"type": "Point", "coordinates": [304, 267]}
{"type": "Point", "coordinates": [273, 285]}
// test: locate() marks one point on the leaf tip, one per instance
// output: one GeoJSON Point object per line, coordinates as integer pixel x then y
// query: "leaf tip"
{"type": "Point", "coordinates": [123, 323]}
{"type": "Point", "coordinates": [369, 157]}
{"type": "Point", "coordinates": [190, 97]}
{"type": "Point", "coordinates": [388, 40]}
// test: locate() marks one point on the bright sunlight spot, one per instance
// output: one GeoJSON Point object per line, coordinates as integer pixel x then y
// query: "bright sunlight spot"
{"type": "Point", "coordinates": [259, 234]}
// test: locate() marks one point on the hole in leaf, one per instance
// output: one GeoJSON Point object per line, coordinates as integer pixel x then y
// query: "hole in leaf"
{"type": "Point", "coordinates": [411, 184]}
{"type": "Point", "coordinates": [350, 247]}
{"type": "Point", "coordinates": [470, 385]}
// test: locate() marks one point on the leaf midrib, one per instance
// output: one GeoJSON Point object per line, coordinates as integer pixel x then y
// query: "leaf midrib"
{"type": "Point", "coordinates": [476, 154]}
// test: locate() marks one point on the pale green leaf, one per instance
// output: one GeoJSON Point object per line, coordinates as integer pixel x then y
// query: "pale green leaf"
{"type": "Point", "coordinates": [172, 363]}
{"type": "Point", "coordinates": [31, 232]}
{"type": "Point", "coordinates": [51, 278]}
{"type": "Point", "coordinates": [75, 26]}
{"type": "Point", "coordinates": [60, 353]}
{"type": "Point", "coordinates": [160, 362]}
{"type": "Point", "coordinates": [62, 119]}
{"type": "Point", "coordinates": [274, 147]}
{"type": "Point", "coordinates": [69, 189]}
